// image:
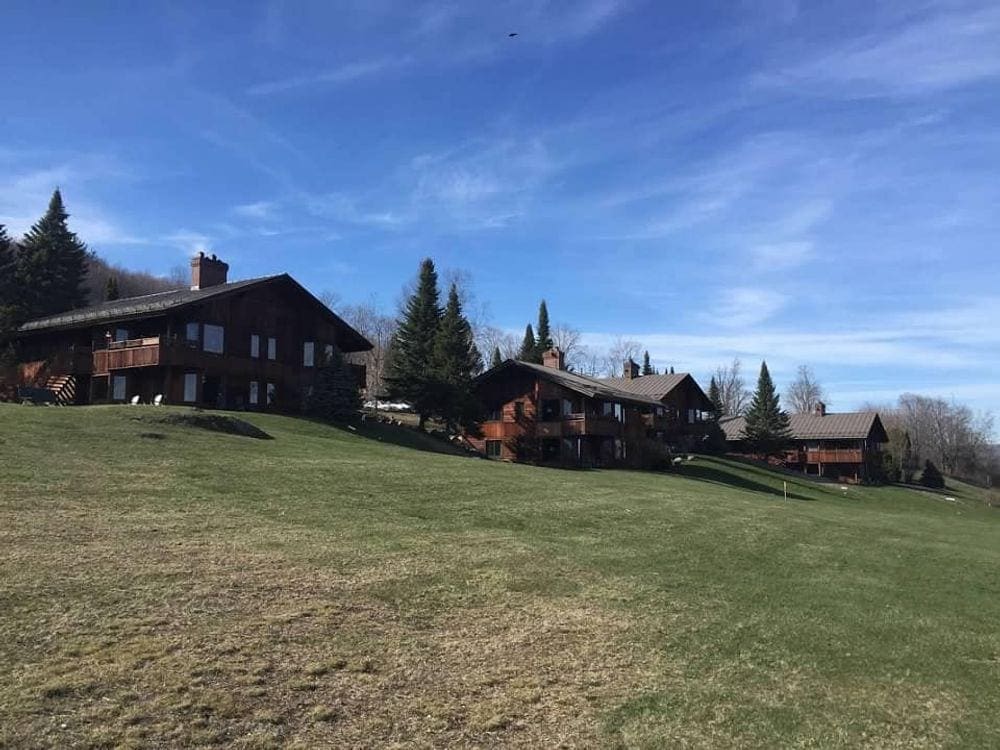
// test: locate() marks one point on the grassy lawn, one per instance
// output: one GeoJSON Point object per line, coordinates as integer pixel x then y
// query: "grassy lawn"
{"type": "Point", "coordinates": [164, 585]}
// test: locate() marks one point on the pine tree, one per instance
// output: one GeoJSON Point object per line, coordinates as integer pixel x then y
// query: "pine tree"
{"type": "Point", "coordinates": [52, 264]}
{"type": "Point", "coordinates": [647, 368]}
{"type": "Point", "coordinates": [335, 396]}
{"type": "Point", "coordinates": [456, 360]}
{"type": "Point", "coordinates": [715, 396]}
{"type": "Point", "coordinates": [411, 376]}
{"type": "Point", "coordinates": [111, 289]}
{"type": "Point", "coordinates": [497, 359]}
{"type": "Point", "coordinates": [931, 476]}
{"type": "Point", "coordinates": [529, 347]}
{"type": "Point", "coordinates": [767, 429]}
{"type": "Point", "coordinates": [10, 296]}
{"type": "Point", "coordinates": [543, 336]}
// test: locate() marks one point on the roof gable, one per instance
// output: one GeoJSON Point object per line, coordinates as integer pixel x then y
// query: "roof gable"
{"type": "Point", "coordinates": [844, 426]}
{"type": "Point", "coordinates": [659, 386]}
{"type": "Point", "coordinates": [582, 384]}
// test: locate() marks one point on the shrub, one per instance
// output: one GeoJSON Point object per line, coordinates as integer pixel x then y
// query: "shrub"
{"type": "Point", "coordinates": [932, 477]}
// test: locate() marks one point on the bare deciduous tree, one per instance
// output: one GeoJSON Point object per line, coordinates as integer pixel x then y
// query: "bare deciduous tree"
{"type": "Point", "coordinates": [805, 392]}
{"type": "Point", "coordinates": [587, 362]}
{"type": "Point", "coordinates": [489, 337]}
{"type": "Point", "coordinates": [733, 393]}
{"type": "Point", "coordinates": [379, 329]}
{"type": "Point", "coordinates": [622, 349]}
{"type": "Point", "coordinates": [329, 298]}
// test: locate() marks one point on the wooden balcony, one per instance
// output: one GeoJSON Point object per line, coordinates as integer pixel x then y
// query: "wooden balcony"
{"type": "Point", "coordinates": [573, 425]}
{"type": "Point", "coordinates": [120, 355]}
{"type": "Point", "coordinates": [835, 456]}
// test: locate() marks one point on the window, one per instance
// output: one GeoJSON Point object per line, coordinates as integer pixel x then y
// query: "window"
{"type": "Point", "coordinates": [214, 339]}
{"type": "Point", "coordinates": [272, 348]}
{"type": "Point", "coordinates": [493, 448]}
{"type": "Point", "coordinates": [121, 334]}
{"type": "Point", "coordinates": [308, 353]}
{"type": "Point", "coordinates": [551, 409]}
{"type": "Point", "coordinates": [190, 387]}
{"type": "Point", "coordinates": [118, 388]}
{"type": "Point", "coordinates": [620, 412]}
{"type": "Point", "coordinates": [518, 410]}
{"type": "Point", "coordinates": [690, 416]}
{"type": "Point", "coordinates": [254, 345]}
{"type": "Point", "coordinates": [495, 414]}
{"type": "Point", "coordinates": [607, 409]}
{"type": "Point", "coordinates": [254, 392]}
{"type": "Point", "coordinates": [191, 333]}
{"type": "Point", "coordinates": [328, 352]}
{"type": "Point", "coordinates": [270, 394]}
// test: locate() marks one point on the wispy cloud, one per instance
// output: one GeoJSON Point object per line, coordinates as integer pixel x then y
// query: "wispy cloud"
{"type": "Point", "coordinates": [189, 242]}
{"type": "Point", "coordinates": [949, 48]}
{"type": "Point", "coordinates": [744, 307]}
{"type": "Point", "coordinates": [336, 76]}
{"type": "Point", "coordinates": [260, 210]}
{"type": "Point", "coordinates": [781, 255]}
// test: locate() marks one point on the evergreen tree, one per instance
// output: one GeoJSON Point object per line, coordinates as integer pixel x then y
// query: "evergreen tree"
{"type": "Point", "coordinates": [10, 297]}
{"type": "Point", "coordinates": [767, 427]}
{"type": "Point", "coordinates": [931, 476]}
{"type": "Point", "coordinates": [456, 360]}
{"type": "Point", "coordinates": [671, 369]}
{"type": "Point", "coordinates": [111, 289]}
{"type": "Point", "coordinates": [715, 396]}
{"type": "Point", "coordinates": [529, 347]}
{"type": "Point", "coordinates": [647, 368]}
{"type": "Point", "coordinates": [52, 264]}
{"type": "Point", "coordinates": [497, 359]}
{"type": "Point", "coordinates": [543, 336]}
{"type": "Point", "coordinates": [335, 396]}
{"type": "Point", "coordinates": [411, 377]}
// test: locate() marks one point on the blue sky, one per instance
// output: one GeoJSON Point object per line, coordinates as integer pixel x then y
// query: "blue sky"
{"type": "Point", "coordinates": [814, 183]}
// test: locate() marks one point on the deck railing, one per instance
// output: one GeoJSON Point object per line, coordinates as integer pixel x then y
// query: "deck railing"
{"type": "Point", "coordinates": [144, 352]}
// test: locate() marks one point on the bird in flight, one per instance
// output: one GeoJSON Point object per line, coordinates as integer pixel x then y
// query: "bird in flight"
{"type": "Point", "coordinates": [512, 34]}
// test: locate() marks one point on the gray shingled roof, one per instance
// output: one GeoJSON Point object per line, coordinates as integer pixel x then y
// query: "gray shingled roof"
{"type": "Point", "coordinates": [158, 303]}
{"type": "Point", "coordinates": [591, 387]}
{"type": "Point", "coordinates": [656, 386]}
{"type": "Point", "coordinates": [846, 426]}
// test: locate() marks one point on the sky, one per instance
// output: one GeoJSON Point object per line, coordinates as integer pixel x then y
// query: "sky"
{"type": "Point", "coordinates": [810, 183]}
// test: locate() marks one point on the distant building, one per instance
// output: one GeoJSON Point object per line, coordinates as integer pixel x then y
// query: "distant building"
{"type": "Point", "coordinates": [547, 414]}
{"type": "Point", "coordinates": [245, 344]}
{"type": "Point", "coordinates": [846, 447]}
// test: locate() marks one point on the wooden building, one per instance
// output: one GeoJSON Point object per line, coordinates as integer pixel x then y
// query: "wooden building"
{"type": "Point", "coordinates": [546, 414]}
{"type": "Point", "coordinates": [247, 344]}
{"type": "Point", "coordinates": [846, 447]}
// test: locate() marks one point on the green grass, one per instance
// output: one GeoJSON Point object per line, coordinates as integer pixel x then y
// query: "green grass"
{"type": "Point", "coordinates": [163, 585]}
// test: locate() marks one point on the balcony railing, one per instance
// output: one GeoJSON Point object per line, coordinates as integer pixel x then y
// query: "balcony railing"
{"type": "Point", "coordinates": [146, 352]}
{"type": "Point", "coordinates": [826, 456]}
{"type": "Point", "coordinates": [570, 425]}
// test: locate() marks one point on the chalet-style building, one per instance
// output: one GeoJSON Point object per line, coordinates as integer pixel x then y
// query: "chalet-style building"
{"type": "Point", "coordinates": [244, 345]}
{"type": "Point", "coordinates": [547, 414]}
{"type": "Point", "coordinates": [846, 447]}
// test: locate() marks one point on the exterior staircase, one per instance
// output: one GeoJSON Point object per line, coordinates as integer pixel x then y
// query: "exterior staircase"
{"type": "Point", "coordinates": [64, 388]}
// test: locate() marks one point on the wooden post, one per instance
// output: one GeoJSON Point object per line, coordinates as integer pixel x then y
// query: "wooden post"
{"type": "Point", "coordinates": [785, 483]}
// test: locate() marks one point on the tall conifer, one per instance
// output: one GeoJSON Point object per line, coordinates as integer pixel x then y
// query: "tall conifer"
{"type": "Point", "coordinates": [543, 335]}
{"type": "Point", "coordinates": [52, 264]}
{"type": "Point", "coordinates": [767, 428]}
{"type": "Point", "coordinates": [456, 360]}
{"type": "Point", "coordinates": [111, 289]}
{"type": "Point", "coordinates": [10, 294]}
{"type": "Point", "coordinates": [529, 347]}
{"type": "Point", "coordinates": [411, 376]}
{"type": "Point", "coordinates": [647, 368]}
{"type": "Point", "coordinates": [497, 359]}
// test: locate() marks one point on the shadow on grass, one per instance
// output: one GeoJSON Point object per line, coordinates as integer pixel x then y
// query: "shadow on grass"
{"type": "Point", "coordinates": [705, 472]}
{"type": "Point", "coordinates": [402, 436]}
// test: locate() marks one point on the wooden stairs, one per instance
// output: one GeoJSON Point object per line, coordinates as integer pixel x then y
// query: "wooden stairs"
{"type": "Point", "coordinates": [63, 387]}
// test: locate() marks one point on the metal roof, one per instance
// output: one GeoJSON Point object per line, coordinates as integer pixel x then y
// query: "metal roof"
{"type": "Point", "coordinates": [591, 387]}
{"type": "Point", "coordinates": [846, 426]}
{"type": "Point", "coordinates": [162, 302]}
{"type": "Point", "coordinates": [657, 386]}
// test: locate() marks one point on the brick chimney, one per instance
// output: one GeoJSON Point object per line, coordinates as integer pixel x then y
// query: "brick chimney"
{"type": "Point", "coordinates": [554, 357]}
{"type": "Point", "coordinates": [207, 271]}
{"type": "Point", "coordinates": [631, 369]}
{"type": "Point", "coordinates": [820, 409]}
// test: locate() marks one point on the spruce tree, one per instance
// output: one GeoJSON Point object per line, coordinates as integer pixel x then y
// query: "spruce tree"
{"type": "Point", "coordinates": [767, 429]}
{"type": "Point", "coordinates": [647, 368]}
{"type": "Point", "coordinates": [411, 377]}
{"type": "Point", "coordinates": [529, 347]}
{"type": "Point", "coordinates": [715, 396]}
{"type": "Point", "coordinates": [543, 336]}
{"type": "Point", "coordinates": [10, 298]}
{"type": "Point", "coordinates": [52, 264]}
{"type": "Point", "coordinates": [335, 396]}
{"type": "Point", "coordinates": [931, 476]}
{"type": "Point", "coordinates": [111, 289]}
{"type": "Point", "coordinates": [497, 359]}
{"type": "Point", "coordinates": [456, 360]}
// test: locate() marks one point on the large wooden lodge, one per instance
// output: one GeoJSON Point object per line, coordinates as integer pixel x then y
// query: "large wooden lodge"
{"type": "Point", "coordinates": [246, 344]}
{"type": "Point", "coordinates": [546, 414]}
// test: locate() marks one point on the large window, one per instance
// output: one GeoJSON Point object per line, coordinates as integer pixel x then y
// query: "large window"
{"type": "Point", "coordinates": [121, 334]}
{"type": "Point", "coordinates": [308, 353]}
{"type": "Point", "coordinates": [214, 339]}
{"type": "Point", "coordinates": [118, 388]}
{"type": "Point", "coordinates": [493, 448]}
{"type": "Point", "coordinates": [190, 387]}
{"type": "Point", "coordinates": [254, 393]}
{"type": "Point", "coordinates": [254, 345]}
{"type": "Point", "coordinates": [270, 394]}
{"type": "Point", "coordinates": [272, 348]}
{"type": "Point", "coordinates": [191, 333]}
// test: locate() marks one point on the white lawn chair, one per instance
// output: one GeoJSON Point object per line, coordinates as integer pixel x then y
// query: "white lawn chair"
{"type": "Point", "coordinates": [135, 401]}
{"type": "Point", "coordinates": [158, 399]}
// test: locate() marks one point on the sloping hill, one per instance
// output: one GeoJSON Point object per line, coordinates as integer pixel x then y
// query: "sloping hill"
{"type": "Point", "coordinates": [166, 585]}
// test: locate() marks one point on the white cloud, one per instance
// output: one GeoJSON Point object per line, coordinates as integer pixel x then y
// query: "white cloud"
{"type": "Point", "coordinates": [743, 307]}
{"type": "Point", "coordinates": [781, 255]}
{"type": "Point", "coordinates": [261, 210]}
{"type": "Point", "coordinates": [188, 241]}
{"type": "Point", "coordinates": [340, 75]}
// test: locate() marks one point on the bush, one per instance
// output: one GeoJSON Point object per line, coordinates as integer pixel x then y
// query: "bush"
{"type": "Point", "coordinates": [932, 477]}
{"type": "Point", "coordinates": [335, 396]}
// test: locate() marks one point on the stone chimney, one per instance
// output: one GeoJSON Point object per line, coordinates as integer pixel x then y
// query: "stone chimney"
{"type": "Point", "coordinates": [207, 271]}
{"type": "Point", "coordinates": [630, 370]}
{"type": "Point", "coordinates": [555, 358]}
{"type": "Point", "coordinates": [820, 409]}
